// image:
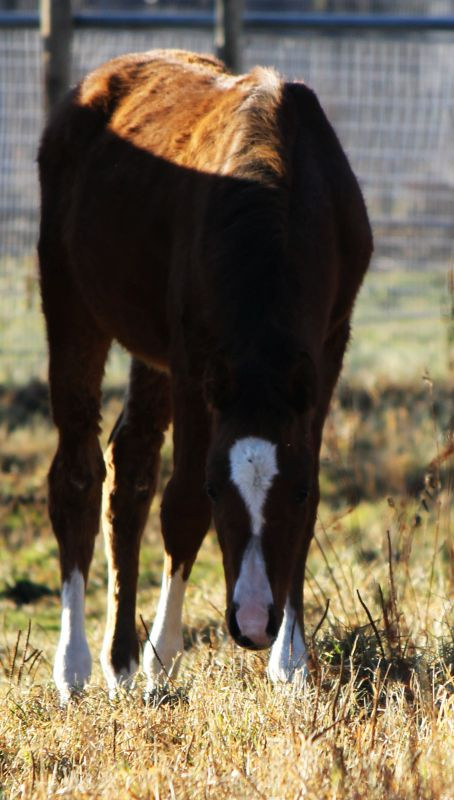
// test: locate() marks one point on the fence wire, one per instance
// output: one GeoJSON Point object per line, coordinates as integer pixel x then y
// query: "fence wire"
{"type": "Point", "coordinates": [390, 98]}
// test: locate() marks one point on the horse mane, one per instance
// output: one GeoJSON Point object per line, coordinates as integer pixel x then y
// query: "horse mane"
{"type": "Point", "coordinates": [253, 286]}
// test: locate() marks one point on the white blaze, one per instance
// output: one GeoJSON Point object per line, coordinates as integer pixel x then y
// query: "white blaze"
{"type": "Point", "coordinates": [252, 594]}
{"type": "Point", "coordinates": [166, 637]}
{"type": "Point", "coordinates": [288, 657]}
{"type": "Point", "coordinates": [72, 666]}
{"type": "Point", "coordinates": [253, 466]}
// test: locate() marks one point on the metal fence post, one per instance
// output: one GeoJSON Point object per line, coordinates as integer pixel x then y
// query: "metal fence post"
{"type": "Point", "coordinates": [56, 32]}
{"type": "Point", "coordinates": [227, 38]}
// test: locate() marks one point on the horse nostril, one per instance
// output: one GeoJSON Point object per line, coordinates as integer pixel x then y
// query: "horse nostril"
{"type": "Point", "coordinates": [232, 622]}
{"type": "Point", "coordinates": [272, 628]}
{"type": "Point", "coordinates": [244, 641]}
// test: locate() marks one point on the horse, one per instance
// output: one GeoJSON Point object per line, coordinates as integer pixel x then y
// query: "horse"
{"type": "Point", "coordinates": [212, 225]}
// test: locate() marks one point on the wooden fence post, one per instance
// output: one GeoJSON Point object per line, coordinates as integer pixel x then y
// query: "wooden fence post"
{"type": "Point", "coordinates": [227, 39]}
{"type": "Point", "coordinates": [56, 33]}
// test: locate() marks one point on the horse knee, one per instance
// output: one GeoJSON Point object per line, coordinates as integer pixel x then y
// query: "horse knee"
{"type": "Point", "coordinates": [75, 483]}
{"type": "Point", "coordinates": [133, 461]}
{"type": "Point", "coordinates": [76, 472]}
{"type": "Point", "coordinates": [132, 471]}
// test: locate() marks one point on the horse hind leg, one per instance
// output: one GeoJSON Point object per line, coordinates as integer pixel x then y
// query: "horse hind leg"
{"type": "Point", "coordinates": [132, 461]}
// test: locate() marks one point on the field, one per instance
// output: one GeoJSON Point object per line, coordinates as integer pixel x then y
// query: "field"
{"type": "Point", "coordinates": [376, 718]}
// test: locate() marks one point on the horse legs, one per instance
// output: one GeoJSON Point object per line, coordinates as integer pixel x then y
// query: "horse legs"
{"type": "Point", "coordinates": [185, 519]}
{"type": "Point", "coordinates": [288, 657]}
{"type": "Point", "coordinates": [132, 462]}
{"type": "Point", "coordinates": [77, 354]}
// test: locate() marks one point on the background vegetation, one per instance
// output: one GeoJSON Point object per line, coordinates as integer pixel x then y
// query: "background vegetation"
{"type": "Point", "coordinates": [376, 717]}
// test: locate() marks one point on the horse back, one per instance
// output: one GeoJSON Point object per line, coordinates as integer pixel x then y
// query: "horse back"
{"type": "Point", "coordinates": [175, 185]}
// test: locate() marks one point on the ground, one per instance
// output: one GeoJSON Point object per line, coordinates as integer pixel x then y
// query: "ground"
{"type": "Point", "coordinates": [376, 717]}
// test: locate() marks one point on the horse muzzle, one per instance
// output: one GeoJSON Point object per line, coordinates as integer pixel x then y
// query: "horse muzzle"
{"type": "Point", "coordinates": [252, 626]}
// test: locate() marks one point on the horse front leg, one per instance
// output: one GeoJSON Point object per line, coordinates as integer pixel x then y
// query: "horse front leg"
{"type": "Point", "coordinates": [288, 658]}
{"type": "Point", "coordinates": [75, 483]}
{"type": "Point", "coordinates": [288, 661]}
{"type": "Point", "coordinates": [185, 519]}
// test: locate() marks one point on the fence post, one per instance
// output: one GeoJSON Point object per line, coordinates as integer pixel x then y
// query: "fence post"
{"type": "Point", "coordinates": [56, 32]}
{"type": "Point", "coordinates": [227, 38]}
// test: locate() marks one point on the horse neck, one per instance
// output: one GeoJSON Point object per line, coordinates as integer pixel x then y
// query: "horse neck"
{"type": "Point", "coordinates": [254, 290]}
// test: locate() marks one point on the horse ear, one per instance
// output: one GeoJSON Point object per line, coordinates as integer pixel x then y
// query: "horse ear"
{"type": "Point", "coordinates": [218, 383]}
{"type": "Point", "coordinates": [303, 387]}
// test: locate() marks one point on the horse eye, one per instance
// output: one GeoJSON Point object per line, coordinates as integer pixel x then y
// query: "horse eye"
{"type": "Point", "coordinates": [301, 495]}
{"type": "Point", "coordinates": [211, 491]}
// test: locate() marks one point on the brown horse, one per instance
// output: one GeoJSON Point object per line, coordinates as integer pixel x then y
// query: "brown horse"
{"type": "Point", "coordinates": [212, 225]}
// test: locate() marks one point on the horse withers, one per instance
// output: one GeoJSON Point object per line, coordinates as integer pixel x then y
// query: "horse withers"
{"type": "Point", "coordinates": [212, 225]}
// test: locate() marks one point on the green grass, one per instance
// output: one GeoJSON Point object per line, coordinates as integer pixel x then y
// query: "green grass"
{"type": "Point", "coordinates": [402, 327]}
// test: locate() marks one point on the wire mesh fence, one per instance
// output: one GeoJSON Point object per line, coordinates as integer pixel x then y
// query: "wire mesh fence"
{"type": "Point", "coordinates": [390, 97]}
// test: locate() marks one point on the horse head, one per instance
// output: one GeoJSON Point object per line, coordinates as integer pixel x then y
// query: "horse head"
{"type": "Point", "coordinates": [259, 477]}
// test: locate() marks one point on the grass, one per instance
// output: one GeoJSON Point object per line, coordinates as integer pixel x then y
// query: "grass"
{"type": "Point", "coordinates": [376, 717]}
{"type": "Point", "coordinates": [401, 319]}
{"type": "Point", "coordinates": [401, 328]}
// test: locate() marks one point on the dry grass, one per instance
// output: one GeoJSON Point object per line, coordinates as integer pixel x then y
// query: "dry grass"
{"type": "Point", "coordinates": [376, 718]}
{"type": "Point", "coordinates": [231, 736]}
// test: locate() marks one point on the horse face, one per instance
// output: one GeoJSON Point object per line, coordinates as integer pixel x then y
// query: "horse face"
{"type": "Point", "coordinates": [259, 486]}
